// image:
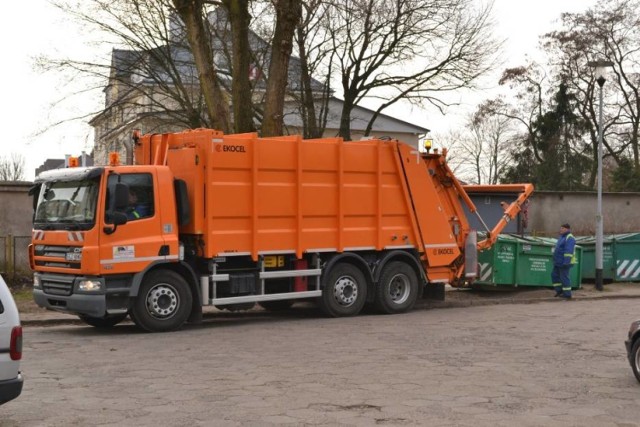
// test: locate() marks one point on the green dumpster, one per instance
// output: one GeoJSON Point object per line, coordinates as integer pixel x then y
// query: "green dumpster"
{"type": "Point", "coordinates": [620, 257]}
{"type": "Point", "coordinates": [522, 261]}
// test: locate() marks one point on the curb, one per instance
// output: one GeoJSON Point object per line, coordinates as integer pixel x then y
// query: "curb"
{"type": "Point", "coordinates": [479, 303]}
{"type": "Point", "coordinates": [421, 304]}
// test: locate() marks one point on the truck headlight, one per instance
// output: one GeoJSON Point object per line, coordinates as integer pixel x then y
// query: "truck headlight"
{"type": "Point", "coordinates": [37, 284]}
{"type": "Point", "coordinates": [90, 285]}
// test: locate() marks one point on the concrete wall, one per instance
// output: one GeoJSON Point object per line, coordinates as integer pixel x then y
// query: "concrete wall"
{"type": "Point", "coordinates": [16, 208]}
{"type": "Point", "coordinates": [549, 209]}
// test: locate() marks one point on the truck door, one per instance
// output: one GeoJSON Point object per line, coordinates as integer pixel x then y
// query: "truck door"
{"type": "Point", "coordinates": [139, 242]}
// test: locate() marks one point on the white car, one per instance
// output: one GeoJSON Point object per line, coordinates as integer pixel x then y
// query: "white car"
{"type": "Point", "coordinates": [10, 346]}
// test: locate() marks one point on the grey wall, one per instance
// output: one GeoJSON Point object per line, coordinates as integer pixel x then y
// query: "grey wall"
{"type": "Point", "coordinates": [549, 209]}
{"type": "Point", "coordinates": [16, 208]}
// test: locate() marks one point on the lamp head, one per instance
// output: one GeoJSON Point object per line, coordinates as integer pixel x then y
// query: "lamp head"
{"type": "Point", "coordinates": [601, 68]}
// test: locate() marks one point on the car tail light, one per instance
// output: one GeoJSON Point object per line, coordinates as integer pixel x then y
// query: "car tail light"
{"type": "Point", "coordinates": [15, 349]}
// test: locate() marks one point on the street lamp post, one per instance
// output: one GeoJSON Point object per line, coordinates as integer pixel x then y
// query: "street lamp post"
{"type": "Point", "coordinates": [600, 74]}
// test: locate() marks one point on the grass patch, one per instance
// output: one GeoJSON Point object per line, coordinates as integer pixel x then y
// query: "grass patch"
{"type": "Point", "coordinates": [22, 294]}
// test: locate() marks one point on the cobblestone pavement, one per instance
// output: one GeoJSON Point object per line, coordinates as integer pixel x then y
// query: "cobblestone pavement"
{"type": "Point", "coordinates": [549, 364]}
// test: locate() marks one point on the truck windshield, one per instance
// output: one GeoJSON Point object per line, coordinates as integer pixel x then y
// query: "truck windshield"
{"type": "Point", "coordinates": [67, 205]}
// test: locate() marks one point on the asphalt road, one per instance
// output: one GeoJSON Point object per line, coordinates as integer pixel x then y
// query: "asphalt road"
{"type": "Point", "coordinates": [553, 363]}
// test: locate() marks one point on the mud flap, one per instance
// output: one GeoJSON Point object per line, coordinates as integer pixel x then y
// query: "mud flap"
{"type": "Point", "coordinates": [434, 291]}
{"type": "Point", "coordinates": [471, 256]}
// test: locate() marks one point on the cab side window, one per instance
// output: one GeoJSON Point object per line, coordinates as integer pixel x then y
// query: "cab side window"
{"type": "Point", "coordinates": [141, 197]}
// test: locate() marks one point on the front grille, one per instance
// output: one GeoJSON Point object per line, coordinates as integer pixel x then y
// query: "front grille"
{"type": "Point", "coordinates": [57, 285]}
{"type": "Point", "coordinates": [58, 264]}
{"type": "Point", "coordinates": [56, 256]}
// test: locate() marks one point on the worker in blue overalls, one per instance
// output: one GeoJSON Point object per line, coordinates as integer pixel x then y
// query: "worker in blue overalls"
{"type": "Point", "coordinates": [563, 260]}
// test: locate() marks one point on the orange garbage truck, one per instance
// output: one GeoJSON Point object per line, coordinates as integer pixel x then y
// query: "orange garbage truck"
{"type": "Point", "coordinates": [207, 219]}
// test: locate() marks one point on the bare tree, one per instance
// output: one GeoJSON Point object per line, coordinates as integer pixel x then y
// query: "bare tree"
{"type": "Point", "coordinates": [12, 167]}
{"type": "Point", "coordinates": [608, 31]}
{"type": "Point", "coordinates": [480, 149]}
{"type": "Point", "coordinates": [241, 89]}
{"type": "Point", "coordinates": [491, 136]}
{"type": "Point", "coordinates": [412, 50]}
{"type": "Point", "coordinates": [193, 15]}
{"type": "Point", "coordinates": [458, 159]}
{"type": "Point", "coordinates": [288, 14]}
{"type": "Point", "coordinates": [316, 59]}
{"type": "Point", "coordinates": [530, 84]}
{"type": "Point", "coordinates": [151, 68]}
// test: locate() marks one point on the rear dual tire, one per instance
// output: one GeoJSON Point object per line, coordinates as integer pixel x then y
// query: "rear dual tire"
{"type": "Point", "coordinates": [397, 290]}
{"type": "Point", "coordinates": [344, 292]}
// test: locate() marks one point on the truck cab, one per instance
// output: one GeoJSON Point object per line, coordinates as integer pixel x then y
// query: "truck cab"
{"type": "Point", "coordinates": [96, 231]}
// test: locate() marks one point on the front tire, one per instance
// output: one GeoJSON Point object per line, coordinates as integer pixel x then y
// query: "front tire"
{"type": "Point", "coordinates": [397, 289]}
{"type": "Point", "coordinates": [103, 322]}
{"type": "Point", "coordinates": [635, 359]}
{"type": "Point", "coordinates": [163, 303]}
{"type": "Point", "coordinates": [344, 292]}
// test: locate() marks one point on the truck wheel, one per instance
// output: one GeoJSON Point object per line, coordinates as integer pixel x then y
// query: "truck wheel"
{"type": "Point", "coordinates": [163, 302]}
{"type": "Point", "coordinates": [397, 290]}
{"type": "Point", "coordinates": [344, 292]}
{"type": "Point", "coordinates": [635, 359]}
{"type": "Point", "coordinates": [103, 322]}
{"type": "Point", "coordinates": [276, 305]}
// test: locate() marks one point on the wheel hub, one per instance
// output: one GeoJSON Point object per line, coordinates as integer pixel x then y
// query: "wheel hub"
{"type": "Point", "coordinates": [162, 301]}
{"type": "Point", "coordinates": [345, 291]}
{"type": "Point", "coordinates": [399, 288]}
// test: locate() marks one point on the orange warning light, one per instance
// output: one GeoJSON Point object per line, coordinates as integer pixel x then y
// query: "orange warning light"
{"type": "Point", "coordinates": [114, 159]}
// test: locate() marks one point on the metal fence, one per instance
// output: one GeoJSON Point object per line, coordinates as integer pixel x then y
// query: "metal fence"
{"type": "Point", "coordinates": [14, 259]}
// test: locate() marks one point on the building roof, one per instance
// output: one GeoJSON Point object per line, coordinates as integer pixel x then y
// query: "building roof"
{"type": "Point", "coordinates": [50, 164]}
{"type": "Point", "coordinates": [150, 66]}
{"type": "Point", "coordinates": [360, 117]}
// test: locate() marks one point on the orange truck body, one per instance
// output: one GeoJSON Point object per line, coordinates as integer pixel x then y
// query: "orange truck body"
{"type": "Point", "coordinates": [267, 220]}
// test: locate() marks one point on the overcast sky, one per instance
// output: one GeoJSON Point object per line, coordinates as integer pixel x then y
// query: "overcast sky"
{"type": "Point", "coordinates": [33, 28]}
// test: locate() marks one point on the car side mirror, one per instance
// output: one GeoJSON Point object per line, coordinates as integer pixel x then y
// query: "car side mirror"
{"type": "Point", "coordinates": [121, 197]}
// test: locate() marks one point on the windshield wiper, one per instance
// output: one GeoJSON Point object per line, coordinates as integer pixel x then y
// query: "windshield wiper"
{"type": "Point", "coordinates": [45, 225]}
{"type": "Point", "coordinates": [72, 224]}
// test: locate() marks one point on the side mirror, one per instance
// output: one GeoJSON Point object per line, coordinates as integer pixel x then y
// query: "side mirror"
{"type": "Point", "coordinates": [118, 205]}
{"type": "Point", "coordinates": [118, 218]}
{"type": "Point", "coordinates": [121, 197]}
{"type": "Point", "coordinates": [115, 218]}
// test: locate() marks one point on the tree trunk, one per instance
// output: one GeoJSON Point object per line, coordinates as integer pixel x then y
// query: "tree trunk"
{"type": "Point", "coordinates": [288, 14]}
{"type": "Point", "coordinates": [634, 144]}
{"type": "Point", "coordinates": [191, 12]}
{"type": "Point", "coordinates": [309, 119]}
{"type": "Point", "coordinates": [345, 118]}
{"type": "Point", "coordinates": [241, 102]}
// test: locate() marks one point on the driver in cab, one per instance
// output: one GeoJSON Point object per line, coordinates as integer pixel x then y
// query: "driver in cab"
{"type": "Point", "coordinates": [136, 210]}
